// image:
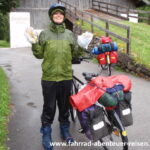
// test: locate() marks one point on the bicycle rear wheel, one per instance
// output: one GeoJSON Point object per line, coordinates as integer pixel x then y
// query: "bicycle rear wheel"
{"type": "Point", "coordinates": [109, 69]}
{"type": "Point", "coordinates": [106, 67]}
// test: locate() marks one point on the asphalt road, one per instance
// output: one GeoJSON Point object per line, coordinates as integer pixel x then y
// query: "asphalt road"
{"type": "Point", "coordinates": [24, 73]}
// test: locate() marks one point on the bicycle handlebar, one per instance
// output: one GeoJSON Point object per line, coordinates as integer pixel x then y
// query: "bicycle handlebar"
{"type": "Point", "coordinates": [89, 76]}
{"type": "Point", "coordinates": [79, 60]}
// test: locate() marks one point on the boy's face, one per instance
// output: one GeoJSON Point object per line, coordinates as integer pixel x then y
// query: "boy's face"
{"type": "Point", "coordinates": [58, 17]}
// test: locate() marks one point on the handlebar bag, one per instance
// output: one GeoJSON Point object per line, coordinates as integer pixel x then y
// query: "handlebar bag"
{"type": "Point", "coordinates": [93, 123]}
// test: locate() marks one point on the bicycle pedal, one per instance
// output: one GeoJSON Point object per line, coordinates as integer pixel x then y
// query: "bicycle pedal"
{"type": "Point", "coordinates": [116, 132]}
{"type": "Point", "coordinates": [81, 130]}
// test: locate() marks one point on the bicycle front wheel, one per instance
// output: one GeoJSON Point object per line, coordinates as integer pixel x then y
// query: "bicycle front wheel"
{"type": "Point", "coordinates": [75, 88]}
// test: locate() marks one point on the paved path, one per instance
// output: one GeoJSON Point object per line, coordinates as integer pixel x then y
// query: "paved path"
{"type": "Point", "coordinates": [24, 73]}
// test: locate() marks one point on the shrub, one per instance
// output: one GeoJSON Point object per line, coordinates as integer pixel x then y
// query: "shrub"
{"type": "Point", "coordinates": [4, 27]}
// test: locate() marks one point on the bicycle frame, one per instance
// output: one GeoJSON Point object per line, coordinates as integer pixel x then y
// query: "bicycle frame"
{"type": "Point", "coordinates": [107, 66]}
{"type": "Point", "coordinates": [107, 57]}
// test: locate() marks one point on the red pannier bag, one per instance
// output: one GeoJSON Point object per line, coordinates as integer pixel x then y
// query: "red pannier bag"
{"type": "Point", "coordinates": [101, 59]}
{"type": "Point", "coordinates": [113, 57]}
{"type": "Point", "coordinates": [87, 96]}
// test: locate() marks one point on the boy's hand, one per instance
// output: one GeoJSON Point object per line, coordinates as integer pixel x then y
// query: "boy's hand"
{"type": "Point", "coordinates": [84, 39]}
{"type": "Point", "coordinates": [31, 35]}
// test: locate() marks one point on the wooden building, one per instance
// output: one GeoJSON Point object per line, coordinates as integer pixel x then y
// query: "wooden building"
{"type": "Point", "coordinates": [38, 8]}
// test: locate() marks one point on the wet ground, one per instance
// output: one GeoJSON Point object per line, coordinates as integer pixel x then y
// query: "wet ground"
{"type": "Point", "coordinates": [24, 73]}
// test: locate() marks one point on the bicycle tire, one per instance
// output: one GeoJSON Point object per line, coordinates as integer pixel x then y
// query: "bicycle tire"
{"type": "Point", "coordinates": [117, 143]}
{"type": "Point", "coordinates": [75, 88]}
{"type": "Point", "coordinates": [73, 114]}
{"type": "Point", "coordinates": [120, 141]}
{"type": "Point", "coordinates": [109, 69]}
{"type": "Point", "coordinates": [104, 66]}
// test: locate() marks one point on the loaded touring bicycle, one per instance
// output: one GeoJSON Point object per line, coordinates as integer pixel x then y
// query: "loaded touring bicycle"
{"type": "Point", "coordinates": [100, 120]}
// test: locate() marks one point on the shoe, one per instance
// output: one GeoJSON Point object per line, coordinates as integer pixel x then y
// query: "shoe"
{"type": "Point", "coordinates": [65, 134]}
{"type": "Point", "coordinates": [46, 138]}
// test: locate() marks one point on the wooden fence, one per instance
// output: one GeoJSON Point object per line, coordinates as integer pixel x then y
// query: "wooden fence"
{"type": "Point", "coordinates": [117, 10]}
{"type": "Point", "coordinates": [73, 12]}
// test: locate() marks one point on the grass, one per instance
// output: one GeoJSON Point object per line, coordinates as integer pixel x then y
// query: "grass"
{"type": "Point", "coordinates": [140, 45]}
{"type": "Point", "coordinates": [140, 35]}
{"type": "Point", "coordinates": [4, 44]}
{"type": "Point", "coordinates": [4, 108]}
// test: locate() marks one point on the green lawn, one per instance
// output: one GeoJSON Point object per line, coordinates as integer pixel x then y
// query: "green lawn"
{"type": "Point", "coordinates": [140, 42]}
{"type": "Point", "coordinates": [4, 44]}
{"type": "Point", "coordinates": [140, 39]}
{"type": "Point", "coordinates": [4, 108]}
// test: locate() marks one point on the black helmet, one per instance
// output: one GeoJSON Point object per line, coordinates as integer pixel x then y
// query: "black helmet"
{"type": "Point", "coordinates": [56, 6]}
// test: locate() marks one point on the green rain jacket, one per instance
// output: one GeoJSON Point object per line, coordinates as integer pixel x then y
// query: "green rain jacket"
{"type": "Point", "coordinates": [57, 46]}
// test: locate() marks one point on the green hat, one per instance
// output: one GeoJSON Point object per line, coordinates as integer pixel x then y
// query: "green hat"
{"type": "Point", "coordinates": [56, 10]}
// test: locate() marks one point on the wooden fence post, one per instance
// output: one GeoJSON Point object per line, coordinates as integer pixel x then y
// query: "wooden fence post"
{"type": "Point", "coordinates": [107, 27]}
{"type": "Point", "coordinates": [82, 19]}
{"type": "Point", "coordinates": [128, 13]}
{"type": "Point", "coordinates": [99, 6]}
{"type": "Point", "coordinates": [117, 10]}
{"type": "Point", "coordinates": [129, 42]}
{"type": "Point", "coordinates": [149, 19]}
{"type": "Point", "coordinates": [92, 29]}
{"type": "Point", "coordinates": [75, 11]}
{"type": "Point", "coordinates": [107, 8]}
{"type": "Point", "coordinates": [92, 4]}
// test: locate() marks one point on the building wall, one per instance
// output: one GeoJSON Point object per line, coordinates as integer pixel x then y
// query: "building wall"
{"type": "Point", "coordinates": [40, 18]}
{"type": "Point", "coordinates": [36, 3]}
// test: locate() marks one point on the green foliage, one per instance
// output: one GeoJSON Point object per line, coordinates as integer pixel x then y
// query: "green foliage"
{"type": "Point", "coordinates": [145, 8]}
{"type": "Point", "coordinates": [4, 27]}
{"type": "Point", "coordinates": [7, 5]}
{"type": "Point", "coordinates": [4, 108]}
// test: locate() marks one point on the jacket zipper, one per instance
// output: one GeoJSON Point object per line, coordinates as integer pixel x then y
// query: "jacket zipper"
{"type": "Point", "coordinates": [57, 52]}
